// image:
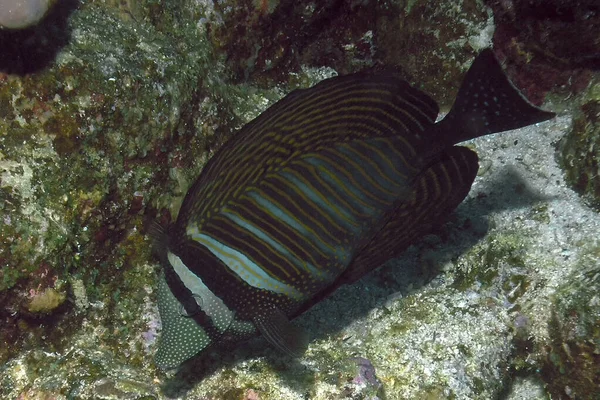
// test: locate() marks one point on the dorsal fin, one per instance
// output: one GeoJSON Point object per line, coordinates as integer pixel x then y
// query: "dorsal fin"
{"type": "Point", "coordinates": [339, 110]}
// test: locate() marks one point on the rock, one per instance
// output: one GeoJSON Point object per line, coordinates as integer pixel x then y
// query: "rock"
{"type": "Point", "coordinates": [19, 14]}
{"type": "Point", "coordinates": [579, 150]}
{"type": "Point", "coordinates": [46, 301]}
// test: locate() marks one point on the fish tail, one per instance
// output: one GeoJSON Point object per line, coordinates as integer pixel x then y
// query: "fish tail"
{"type": "Point", "coordinates": [488, 102]}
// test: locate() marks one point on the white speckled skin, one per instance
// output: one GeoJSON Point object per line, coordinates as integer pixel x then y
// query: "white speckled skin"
{"type": "Point", "coordinates": [18, 14]}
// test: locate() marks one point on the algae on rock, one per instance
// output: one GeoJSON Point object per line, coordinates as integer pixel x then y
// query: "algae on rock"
{"type": "Point", "coordinates": [580, 148]}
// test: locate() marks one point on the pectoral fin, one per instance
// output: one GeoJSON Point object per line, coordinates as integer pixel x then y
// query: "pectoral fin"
{"type": "Point", "coordinates": [280, 332]}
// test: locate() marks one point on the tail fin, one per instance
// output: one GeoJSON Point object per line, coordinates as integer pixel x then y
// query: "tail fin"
{"type": "Point", "coordinates": [487, 102]}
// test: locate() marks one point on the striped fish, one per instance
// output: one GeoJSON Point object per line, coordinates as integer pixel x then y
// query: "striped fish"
{"type": "Point", "coordinates": [321, 188]}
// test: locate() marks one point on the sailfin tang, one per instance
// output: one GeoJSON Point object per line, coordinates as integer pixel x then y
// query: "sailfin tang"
{"type": "Point", "coordinates": [280, 333]}
{"type": "Point", "coordinates": [487, 102]}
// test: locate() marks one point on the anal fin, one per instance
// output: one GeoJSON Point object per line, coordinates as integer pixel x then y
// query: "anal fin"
{"type": "Point", "coordinates": [437, 192]}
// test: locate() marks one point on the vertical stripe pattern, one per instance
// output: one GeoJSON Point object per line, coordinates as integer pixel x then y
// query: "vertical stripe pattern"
{"type": "Point", "coordinates": [438, 191]}
{"type": "Point", "coordinates": [285, 204]}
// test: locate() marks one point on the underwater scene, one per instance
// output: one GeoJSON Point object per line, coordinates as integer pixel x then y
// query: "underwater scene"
{"type": "Point", "coordinates": [298, 200]}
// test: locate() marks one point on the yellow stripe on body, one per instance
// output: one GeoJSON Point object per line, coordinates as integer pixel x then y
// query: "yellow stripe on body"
{"type": "Point", "coordinates": [337, 105]}
{"type": "Point", "coordinates": [311, 106]}
{"type": "Point", "coordinates": [324, 134]}
{"type": "Point", "coordinates": [324, 119]}
{"type": "Point", "coordinates": [436, 183]}
{"type": "Point", "coordinates": [316, 174]}
{"type": "Point", "coordinates": [425, 191]}
{"type": "Point", "coordinates": [359, 93]}
{"type": "Point", "coordinates": [341, 243]}
{"type": "Point", "coordinates": [366, 177]}
{"type": "Point", "coordinates": [447, 176]}
{"type": "Point", "coordinates": [242, 266]}
{"type": "Point", "coordinates": [361, 107]}
{"type": "Point", "coordinates": [291, 220]}
{"type": "Point", "coordinates": [340, 184]}
{"type": "Point", "coordinates": [310, 100]}
{"type": "Point", "coordinates": [306, 216]}
{"type": "Point", "coordinates": [300, 193]}
{"type": "Point", "coordinates": [458, 169]}
{"type": "Point", "coordinates": [279, 251]}
{"type": "Point", "coordinates": [324, 199]}
{"type": "Point", "coordinates": [386, 159]}
{"type": "Point", "coordinates": [298, 239]}
{"type": "Point", "coordinates": [401, 155]}
{"type": "Point", "coordinates": [376, 167]}
{"type": "Point", "coordinates": [409, 97]}
{"type": "Point", "coordinates": [259, 236]}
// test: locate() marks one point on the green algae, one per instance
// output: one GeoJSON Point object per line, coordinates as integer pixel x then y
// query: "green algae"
{"type": "Point", "coordinates": [570, 361]}
{"type": "Point", "coordinates": [483, 264]}
{"type": "Point", "coordinates": [515, 286]}
{"type": "Point", "coordinates": [579, 152]}
{"type": "Point", "coordinates": [92, 148]}
{"type": "Point", "coordinates": [269, 45]}
{"type": "Point", "coordinates": [539, 213]}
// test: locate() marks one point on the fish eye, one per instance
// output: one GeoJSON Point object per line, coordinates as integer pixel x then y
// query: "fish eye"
{"type": "Point", "coordinates": [191, 306]}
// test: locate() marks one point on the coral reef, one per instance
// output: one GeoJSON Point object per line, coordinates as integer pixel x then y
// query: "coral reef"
{"type": "Point", "coordinates": [274, 43]}
{"type": "Point", "coordinates": [547, 45]}
{"type": "Point", "coordinates": [84, 147]}
{"type": "Point", "coordinates": [109, 110]}
{"type": "Point", "coordinates": [410, 36]}
{"type": "Point", "coordinates": [570, 361]}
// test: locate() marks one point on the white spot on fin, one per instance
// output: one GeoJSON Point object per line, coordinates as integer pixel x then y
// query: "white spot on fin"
{"type": "Point", "coordinates": [181, 337]}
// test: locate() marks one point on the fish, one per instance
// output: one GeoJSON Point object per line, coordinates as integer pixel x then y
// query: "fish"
{"type": "Point", "coordinates": [320, 189]}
